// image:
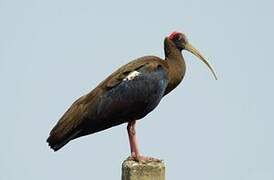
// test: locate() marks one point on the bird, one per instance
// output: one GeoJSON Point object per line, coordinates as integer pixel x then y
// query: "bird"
{"type": "Point", "coordinates": [126, 96]}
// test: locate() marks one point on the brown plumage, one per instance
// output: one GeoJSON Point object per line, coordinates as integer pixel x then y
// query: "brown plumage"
{"type": "Point", "coordinates": [123, 96]}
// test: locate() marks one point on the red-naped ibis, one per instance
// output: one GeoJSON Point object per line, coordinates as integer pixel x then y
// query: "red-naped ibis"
{"type": "Point", "coordinates": [127, 95]}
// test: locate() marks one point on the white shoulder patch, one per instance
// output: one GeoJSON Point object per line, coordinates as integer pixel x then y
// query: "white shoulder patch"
{"type": "Point", "coordinates": [131, 75]}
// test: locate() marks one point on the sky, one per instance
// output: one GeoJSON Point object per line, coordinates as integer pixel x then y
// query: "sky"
{"type": "Point", "coordinates": [52, 52]}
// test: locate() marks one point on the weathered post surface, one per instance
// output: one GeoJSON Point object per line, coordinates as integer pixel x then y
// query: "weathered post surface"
{"type": "Point", "coordinates": [151, 170]}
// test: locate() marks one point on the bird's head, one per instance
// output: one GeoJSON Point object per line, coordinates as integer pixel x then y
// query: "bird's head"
{"type": "Point", "coordinates": [181, 43]}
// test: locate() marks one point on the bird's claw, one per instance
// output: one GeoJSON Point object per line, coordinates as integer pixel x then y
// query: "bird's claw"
{"type": "Point", "coordinates": [143, 159]}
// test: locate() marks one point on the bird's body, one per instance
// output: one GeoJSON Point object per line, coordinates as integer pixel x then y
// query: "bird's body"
{"type": "Point", "coordinates": [128, 94]}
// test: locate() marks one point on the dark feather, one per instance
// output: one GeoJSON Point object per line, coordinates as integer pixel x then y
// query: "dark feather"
{"type": "Point", "coordinates": [114, 101]}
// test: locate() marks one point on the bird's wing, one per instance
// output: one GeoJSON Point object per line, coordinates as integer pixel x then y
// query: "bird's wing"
{"type": "Point", "coordinates": [82, 110]}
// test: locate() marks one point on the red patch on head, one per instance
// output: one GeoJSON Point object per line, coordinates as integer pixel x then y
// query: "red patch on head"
{"type": "Point", "coordinates": [172, 35]}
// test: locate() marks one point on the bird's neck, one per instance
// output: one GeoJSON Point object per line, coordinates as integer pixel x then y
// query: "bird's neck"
{"type": "Point", "coordinates": [176, 64]}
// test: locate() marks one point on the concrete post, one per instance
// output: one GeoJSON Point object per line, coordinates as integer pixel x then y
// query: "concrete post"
{"type": "Point", "coordinates": [152, 170]}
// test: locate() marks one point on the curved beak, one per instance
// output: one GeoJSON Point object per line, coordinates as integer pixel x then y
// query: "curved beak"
{"type": "Point", "coordinates": [194, 51]}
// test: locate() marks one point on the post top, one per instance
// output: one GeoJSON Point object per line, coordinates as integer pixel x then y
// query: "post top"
{"type": "Point", "coordinates": [150, 164]}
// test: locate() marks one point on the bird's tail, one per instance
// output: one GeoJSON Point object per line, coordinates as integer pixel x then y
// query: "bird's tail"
{"type": "Point", "coordinates": [55, 142]}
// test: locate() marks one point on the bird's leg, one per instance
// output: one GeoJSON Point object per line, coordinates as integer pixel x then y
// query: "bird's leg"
{"type": "Point", "coordinates": [135, 155]}
{"type": "Point", "coordinates": [132, 139]}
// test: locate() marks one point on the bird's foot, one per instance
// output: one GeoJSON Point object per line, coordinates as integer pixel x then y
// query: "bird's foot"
{"type": "Point", "coordinates": [143, 159]}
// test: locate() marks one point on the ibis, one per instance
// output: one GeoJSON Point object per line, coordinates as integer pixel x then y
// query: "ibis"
{"type": "Point", "coordinates": [126, 96]}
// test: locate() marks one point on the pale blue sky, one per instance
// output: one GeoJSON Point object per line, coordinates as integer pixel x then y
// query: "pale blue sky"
{"type": "Point", "coordinates": [52, 52]}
